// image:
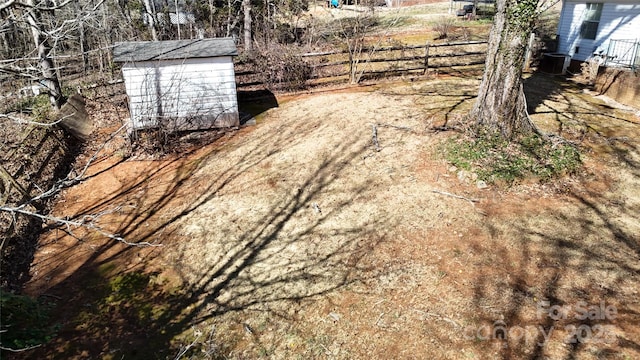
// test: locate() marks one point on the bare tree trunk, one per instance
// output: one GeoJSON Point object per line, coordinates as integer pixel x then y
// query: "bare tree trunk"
{"type": "Point", "coordinates": [47, 68]}
{"type": "Point", "coordinates": [229, 18]}
{"type": "Point", "coordinates": [7, 35]}
{"type": "Point", "coordinates": [248, 44]}
{"type": "Point", "coordinates": [152, 19]}
{"type": "Point", "coordinates": [211, 9]}
{"type": "Point", "coordinates": [83, 49]}
{"type": "Point", "coordinates": [83, 41]}
{"type": "Point", "coordinates": [232, 21]}
{"type": "Point", "coordinates": [501, 106]}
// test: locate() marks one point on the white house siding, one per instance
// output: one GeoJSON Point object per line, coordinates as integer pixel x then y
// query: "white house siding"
{"type": "Point", "coordinates": [188, 94]}
{"type": "Point", "coordinates": [620, 20]}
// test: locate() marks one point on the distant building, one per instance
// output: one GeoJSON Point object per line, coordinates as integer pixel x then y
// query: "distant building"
{"type": "Point", "coordinates": [180, 84]}
{"type": "Point", "coordinates": [401, 3]}
{"type": "Point", "coordinates": [171, 16]}
{"type": "Point", "coordinates": [179, 12]}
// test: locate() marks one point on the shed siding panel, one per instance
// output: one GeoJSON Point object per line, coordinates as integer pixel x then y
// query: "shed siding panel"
{"type": "Point", "coordinates": [617, 21]}
{"type": "Point", "coordinates": [201, 92]}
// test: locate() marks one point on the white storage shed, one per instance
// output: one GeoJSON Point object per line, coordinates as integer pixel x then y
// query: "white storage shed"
{"type": "Point", "coordinates": [180, 84]}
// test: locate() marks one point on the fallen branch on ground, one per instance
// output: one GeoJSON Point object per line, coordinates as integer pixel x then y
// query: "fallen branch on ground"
{"type": "Point", "coordinates": [471, 200]}
{"type": "Point", "coordinates": [374, 130]}
{"type": "Point", "coordinates": [438, 316]}
{"type": "Point", "coordinates": [406, 128]}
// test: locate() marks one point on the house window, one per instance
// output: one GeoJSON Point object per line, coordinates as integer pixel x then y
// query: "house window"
{"type": "Point", "coordinates": [591, 21]}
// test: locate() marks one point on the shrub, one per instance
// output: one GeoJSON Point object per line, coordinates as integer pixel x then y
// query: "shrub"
{"type": "Point", "coordinates": [280, 67]}
{"type": "Point", "coordinates": [25, 321]}
{"type": "Point", "coordinates": [496, 160]}
{"type": "Point", "coordinates": [443, 27]}
{"type": "Point", "coordinates": [42, 110]}
{"type": "Point", "coordinates": [336, 31]}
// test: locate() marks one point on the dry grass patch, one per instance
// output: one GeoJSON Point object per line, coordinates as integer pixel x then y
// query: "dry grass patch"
{"type": "Point", "coordinates": [298, 239]}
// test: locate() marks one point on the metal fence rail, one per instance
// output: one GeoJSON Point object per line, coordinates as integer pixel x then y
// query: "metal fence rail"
{"type": "Point", "coordinates": [624, 53]}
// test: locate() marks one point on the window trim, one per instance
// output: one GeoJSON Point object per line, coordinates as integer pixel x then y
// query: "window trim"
{"type": "Point", "coordinates": [591, 20]}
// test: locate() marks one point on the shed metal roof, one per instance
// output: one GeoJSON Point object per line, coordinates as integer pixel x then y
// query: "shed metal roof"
{"type": "Point", "coordinates": [173, 49]}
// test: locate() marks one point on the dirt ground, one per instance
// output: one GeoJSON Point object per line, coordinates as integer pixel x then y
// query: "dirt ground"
{"type": "Point", "coordinates": [296, 238]}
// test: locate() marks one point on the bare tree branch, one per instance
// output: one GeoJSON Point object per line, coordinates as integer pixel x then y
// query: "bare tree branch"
{"type": "Point", "coordinates": [7, 4]}
{"type": "Point", "coordinates": [89, 221]}
{"type": "Point", "coordinates": [86, 221]}
{"type": "Point", "coordinates": [31, 122]}
{"type": "Point", "coordinates": [10, 3]}
{"type": "Point", "coordinates": [546, 5]}
{"type": "Point", "coordinates": [19, 350]}
{"type": "Point", "coordinates": [15, 70]}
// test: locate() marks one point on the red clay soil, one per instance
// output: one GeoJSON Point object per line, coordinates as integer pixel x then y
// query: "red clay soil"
{"type": "Point", "coordinates": [297, 238]}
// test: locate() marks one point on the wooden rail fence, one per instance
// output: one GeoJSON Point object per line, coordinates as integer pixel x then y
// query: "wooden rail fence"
{"type": "Point", "coordinates": [383, 61]}
{"type": "Point", "coordinates": [22, 165]}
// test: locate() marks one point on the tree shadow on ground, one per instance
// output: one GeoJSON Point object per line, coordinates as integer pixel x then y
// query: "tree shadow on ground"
{"type": "Point", "coordinates": [550, 298]}
{"type": "Point", "coordinates": [562, 101]}
{"type": "Point", "coordinates": [443, 103]}
{"type": "Point", "coordinates": [547, 287]}
{"type": "Point", "coordinates": [265, 268]}
{"type": "Point", "coordinates": [269, 265]}
{"type": "Point", "coordinates": [34, 158]}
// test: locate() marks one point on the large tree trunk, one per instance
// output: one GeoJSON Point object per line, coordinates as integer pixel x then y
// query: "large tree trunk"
{"type": "Point", "coordinates": [47, 68]}
{"type": "Point", "coordinates": [501, 106]}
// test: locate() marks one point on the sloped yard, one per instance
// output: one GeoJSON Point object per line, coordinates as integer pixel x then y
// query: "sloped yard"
{"type": "Point", "coordinates": [297, 238]}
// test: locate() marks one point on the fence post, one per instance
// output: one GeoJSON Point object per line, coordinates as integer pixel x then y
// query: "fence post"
{"type": "Point", "coordinates": [607, 56]}
{"type": "Point", "coordinates": [426, 58]}
{"type": "Point", "coordinates": [528, 54]}
{"type": "Point", "coordinates": [635, 60]}
{"type": "Point", "coordinates": [8, 180]}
